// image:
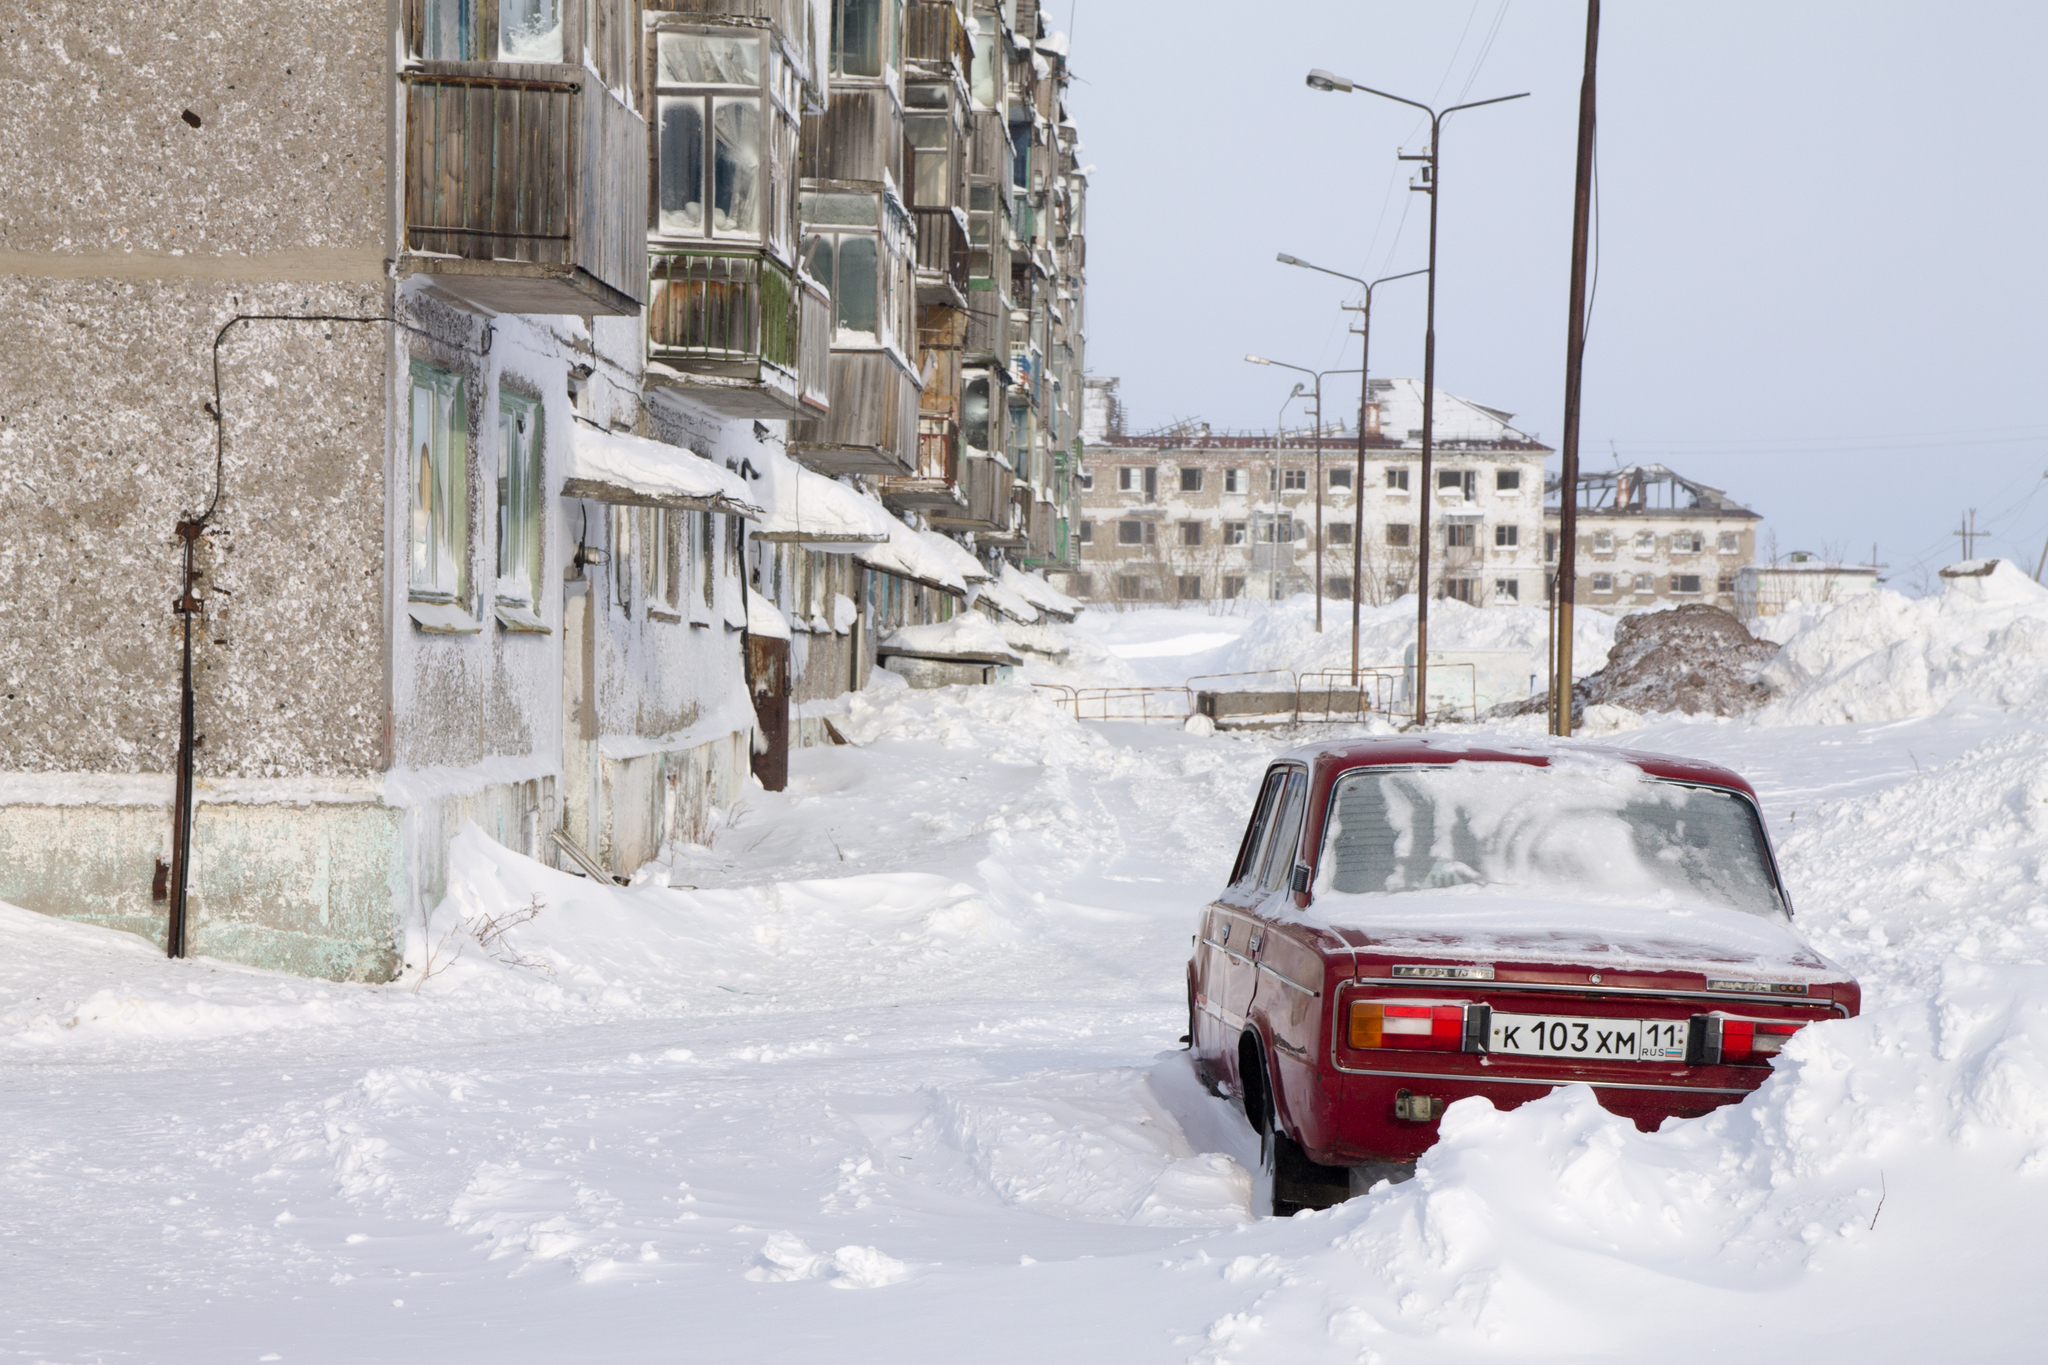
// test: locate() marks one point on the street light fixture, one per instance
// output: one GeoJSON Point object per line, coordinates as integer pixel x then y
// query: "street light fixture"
{"type": "Point", "coordinates": [1277, 437]}
{"type": "Point", "coordinates": [1328, 81]}
{"type": "Point", "coordinates": [1364, 397]}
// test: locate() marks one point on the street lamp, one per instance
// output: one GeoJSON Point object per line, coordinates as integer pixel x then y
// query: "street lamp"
{"type": "Point", "coordinates": [1364, 396]}
{"type": "Point", "coordinates": [1324, 80]}
{"type": "Point", "coordinates": [1302, 369]}
{"type": "Point", "coordinates": [1279, 425]}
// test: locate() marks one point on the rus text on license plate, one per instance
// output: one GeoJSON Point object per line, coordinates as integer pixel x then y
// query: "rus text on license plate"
{"type": "Point", "coordinates": [1627, 1040]}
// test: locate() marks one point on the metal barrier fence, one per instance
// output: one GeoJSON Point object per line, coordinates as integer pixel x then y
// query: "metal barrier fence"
{"type": "Point", "coordinates": [1332, 696]}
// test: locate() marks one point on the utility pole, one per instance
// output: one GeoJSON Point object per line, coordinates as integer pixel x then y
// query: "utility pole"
{"type": "Point", "coordinates": [1968, 533]}
{"type": "Point", "coordinates": [1575, 354]}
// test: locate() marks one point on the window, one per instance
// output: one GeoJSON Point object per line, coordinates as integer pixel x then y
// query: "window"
{"type": "Point", "coordinates": [1251, 849]}
{"type": "Point", "coordinates": [1725, 584]}
{"type": "Point", "coordinates": [983, 71]}
{"type": "Point", "coordinates": [1340, 533]}
{"type": "Point", "coordinates": [1460, 535]}
{"type": "Point", "coordinates": [440, 485]}
{"type": "Point", "coordinates": [1233, 533]}
{"type": "Point", "coordinates": [1397, 588]}
{"type": "Point", "coordinates": [1397, 479]}
{"type": "Point", "coordinates": [1339, 587]}
{"type": "Point", "coordinates": [1507, 480]}
{"type": "Point", "coordinates": [1464, 482]}
{"type": "Point", "coordinates": [1460, 589]}
{"type": "Point", "coordinates": [863, 37]}
{"type": "Point", "coordinates": [1233, 586]}
{"type": "Point", "coordinates": [1644, 583]}
{"type": "Point", "coordinates": [1191, 533]}
{"type": "Point", "coordinates": [1550, 547]}
{"type": "Point", "coordinates": [1340, 478]}
{"type": "Point", "coordinates": [931, 153]}
{"type": "Point", "coordinates": [1190, 480]}
{"type": "Point", "coordinates": [530, 31]}
{"type": "Point", "coordinates": [1190, 587]}
{"type": "Point", "coordinates": [1234, 481]}
{"type": "Point", "coordinates": [1685, 583]}
{"type": "Point", "coordinates": [623, 570]}
{"type": "Point", "coordinates": [707, 544]}
{"type": "Point", "coordinates": [1729, 543]}
{"type": "Point", "coordinates": [1688, 543]}
{"type": "Point", "coordinates": [1399, 534]}
{"type": "Point", "coordinates": [1603, 582]}
{"type": "Point", "coordinates": [1134, 533]}
{"type": "Point", "coordinates": [519, 500]}
{"type": "Point", "coordinates": [662, 561]}
{"type": "Point", "coordinates": [1084, 474]}
{"type": "Point", "coordinates": [1131, 479]}
{"type": "Point", "coordinates": [1081, 584]}
{"type": "Point", "coordinates": [1507, 537]}
{"type": "Point", "coordinates": [715, 125]}
{"type": "Point", "coordinates": [849, 264]}
{"type": "Point", "coordinates": [1508, 588]}
{"type": "Point", "coordinates": [1086, 533]}
{"type": "Point", "coordinates": [1645, 543]}
{"type": "Point", "coordinates": [1127, 585]}
{"type": "Point", "coordinates": [1603, 542]}
{"type": "Point", "coordinates": [1290, 479]}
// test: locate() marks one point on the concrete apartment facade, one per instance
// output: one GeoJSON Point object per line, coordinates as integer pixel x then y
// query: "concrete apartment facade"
{"type": "Point", "coordinates": [1649, 537]}
{"type": "Point", "coordinates": [446, 343]}
{"type": "Point", "coordinates": [1192, 516]}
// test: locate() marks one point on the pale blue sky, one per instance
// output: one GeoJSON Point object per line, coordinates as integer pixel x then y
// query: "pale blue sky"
{"type": "Point", "coordinates": [1821, 285]}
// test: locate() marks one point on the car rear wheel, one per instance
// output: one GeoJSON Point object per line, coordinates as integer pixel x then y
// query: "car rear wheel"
{"type": "Point", "coordinates": [1293, 1182]}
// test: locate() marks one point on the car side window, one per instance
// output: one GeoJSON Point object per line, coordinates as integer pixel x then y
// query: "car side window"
{"type": "Point", "coordinates": [1279, 855]}
{"type": "Point", "coordinates": [1254, 850]}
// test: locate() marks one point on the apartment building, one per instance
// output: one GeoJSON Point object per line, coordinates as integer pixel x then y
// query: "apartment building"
{"type": "Point", "coordinates": [510, 411]}
{"type": "Point", "coordinates": [1649, 537]}
{"type": "Point", "coordinates": [1188, 515]}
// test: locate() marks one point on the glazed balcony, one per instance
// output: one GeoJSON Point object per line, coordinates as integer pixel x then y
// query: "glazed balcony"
{"type": "Point", "coordinates": [525, 188]}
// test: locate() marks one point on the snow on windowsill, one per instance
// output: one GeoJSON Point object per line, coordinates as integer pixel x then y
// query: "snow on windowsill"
{"type": "Point", "coordinates": [443, 618]}
{"type": "Point", "coordinates": [520, 618]}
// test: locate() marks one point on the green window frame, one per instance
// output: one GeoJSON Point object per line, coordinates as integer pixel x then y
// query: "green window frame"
{"type": "Point", "coordinates": [520, 450]}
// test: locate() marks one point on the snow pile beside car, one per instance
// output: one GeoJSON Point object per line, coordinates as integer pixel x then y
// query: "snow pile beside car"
{"type": "Point", "coordinates": [1882, 656]}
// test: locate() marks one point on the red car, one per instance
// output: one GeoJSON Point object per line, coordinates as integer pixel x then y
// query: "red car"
{"type": "Point", "coordinates": [1414, 920]}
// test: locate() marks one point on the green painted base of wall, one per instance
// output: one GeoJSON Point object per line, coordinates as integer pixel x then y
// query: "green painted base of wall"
{"type": "Point", "coordinates": [312, 889]}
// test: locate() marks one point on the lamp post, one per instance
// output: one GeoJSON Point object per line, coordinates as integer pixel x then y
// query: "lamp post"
{"type": "Point", "coordinates": [1279, 425]}
{"type": "Point", "coordinates": [1364, 400]}
{"type": "Point", "coordinates": [1324, 80]}
{"type": "Point", "coordinates": [1302, 369]}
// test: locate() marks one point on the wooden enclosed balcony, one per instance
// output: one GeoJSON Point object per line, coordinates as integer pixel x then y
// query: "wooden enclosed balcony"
{"type": "Point", "coordinates": [525, 188]}
{"type": "Point", "coordinates": [935, 41]}
{"type": "Point", "coordinates": [935, 488]}
{"type": "Point", "coordinates": [872, 428]}
{"type": "Point", "coordinates": [727, 329]}
{"type": "Point", "coordinates": [984, 486]}
{"type": "Point", "coordinates": [942, 257]}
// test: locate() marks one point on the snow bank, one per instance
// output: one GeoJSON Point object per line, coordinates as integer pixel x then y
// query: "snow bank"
{"type": "Point", "coordinates": [1883, 656]}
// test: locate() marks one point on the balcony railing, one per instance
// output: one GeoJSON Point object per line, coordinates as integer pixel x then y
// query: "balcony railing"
{"type": "Point", "coordinates": [935, 487]}
{"type": "Point", "coordinates": [942, 257]}
{"type": "Point", "coordinates": [934, 39]}
{"type": "Point", "coordinates": [525, 188]}
{"type": "Point", "coordinates": [727, 327]}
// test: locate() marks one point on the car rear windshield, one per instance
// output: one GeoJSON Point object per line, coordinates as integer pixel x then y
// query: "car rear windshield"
{"type": "Point", "coordinates": [1591, 829]}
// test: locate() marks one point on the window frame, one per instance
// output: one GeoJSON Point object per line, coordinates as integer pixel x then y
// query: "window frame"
{"type": "Point", "coordinates": [1190, 478]}
{"type": "Point", "coordinates": [521, 498]}
{"type": "Point", "coordinates": [775, 145]}
{"type": "Point", "coordinates": [441, 529]}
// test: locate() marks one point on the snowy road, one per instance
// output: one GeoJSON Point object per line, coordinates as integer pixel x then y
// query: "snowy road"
{"type": "Point", "coordinates": [896, 1080]}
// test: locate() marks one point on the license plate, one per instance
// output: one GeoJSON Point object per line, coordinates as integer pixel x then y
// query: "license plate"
{"type": "Point", "coordinates": [1555, 1035]}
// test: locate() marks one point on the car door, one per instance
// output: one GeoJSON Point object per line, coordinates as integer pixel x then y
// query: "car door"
{"type": "Point", "coordinates": [1237, 926]}
{"type": "Point", "coordinates": [1224, 930]}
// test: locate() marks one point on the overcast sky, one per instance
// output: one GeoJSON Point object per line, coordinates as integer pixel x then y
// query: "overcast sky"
{"type": "Point", "coordinates": [1821, 283]}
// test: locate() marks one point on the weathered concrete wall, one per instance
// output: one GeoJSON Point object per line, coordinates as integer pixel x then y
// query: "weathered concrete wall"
{"type": "Point", "coordinates": [287, 164]}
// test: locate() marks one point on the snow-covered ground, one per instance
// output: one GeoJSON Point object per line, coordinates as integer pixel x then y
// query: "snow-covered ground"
{"type": "Point", "coordinates": [887, 1072]}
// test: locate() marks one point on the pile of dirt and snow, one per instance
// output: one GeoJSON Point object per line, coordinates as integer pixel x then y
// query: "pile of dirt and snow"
{"type": "Point", "coordinates": [1883, 656]}
{"type": "Point", "coordinates": [1688, 660]}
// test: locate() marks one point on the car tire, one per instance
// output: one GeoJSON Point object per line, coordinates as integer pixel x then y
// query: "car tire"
{"type": "Point", "coordinates": [1293, 1181]}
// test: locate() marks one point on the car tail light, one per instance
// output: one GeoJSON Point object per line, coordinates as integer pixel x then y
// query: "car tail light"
{"type": "Point", "coordinates": [1418, 1025]}
{"type": "Point", "coordinates": [1722, 1040]}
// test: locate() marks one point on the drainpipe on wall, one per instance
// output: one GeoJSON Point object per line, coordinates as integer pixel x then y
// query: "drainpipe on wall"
{"type": "Point", "coordinates": [187, 606]}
